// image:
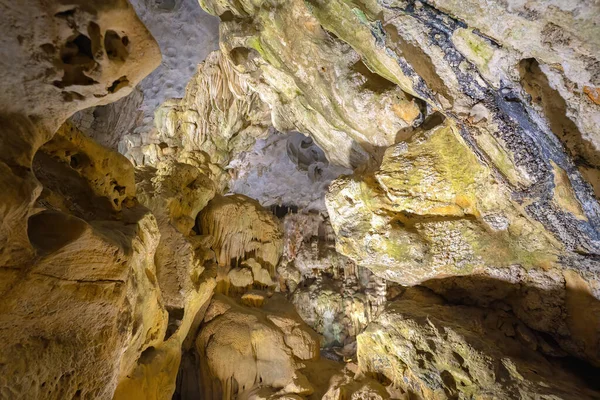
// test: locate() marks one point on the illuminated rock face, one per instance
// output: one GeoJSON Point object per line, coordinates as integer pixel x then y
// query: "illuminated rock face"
{"type": "Point", "coordinates": [80, 300]}
{"type": "Point", "coordinates": [117, 124]}
{"type": "Point", "coordinates": [240, 347]}
{"type": "Point", "coordinates": [352, 199]}
{"type": "Point", "coordinates": [442, 351]}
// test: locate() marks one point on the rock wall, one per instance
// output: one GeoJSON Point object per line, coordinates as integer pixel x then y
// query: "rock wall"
{"type": "Point", "coordinates": [79, 296]}
{"type": "Point", "coordinates": [352, 199]}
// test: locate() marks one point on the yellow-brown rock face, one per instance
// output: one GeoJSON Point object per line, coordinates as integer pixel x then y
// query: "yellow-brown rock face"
{"type": "Point", "coordinates": [458, 258]}
{"type": "Point", "coordinates": [79, 295]}
{"type": "Point", "coordinates": [242, 347]}
{"type": "Point", "coordinates": [434, 351]}
{"type": "Point", "coordinates": [432, 210]}
{"type": "Point", "coordinates": [242, 229]}
{"type": "Point", "coordinates": [88, 305]}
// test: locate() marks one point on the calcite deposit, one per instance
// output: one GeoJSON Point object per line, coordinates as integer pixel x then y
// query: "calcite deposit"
{"type": "Point", "coordinates": [350, 199]}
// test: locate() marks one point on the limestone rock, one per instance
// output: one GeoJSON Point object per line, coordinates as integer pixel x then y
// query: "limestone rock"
{"type": "Point", "coordinates": [90, 302]}
{"type": "Point", "coordinates": [217, 116]}
{"type": "Point", "coordinates": [179, 188]}
{"type": "Point", "coordinates": [346, 386]}
{"type": "Point", "coordinates": [80, 301]}
{"type": "Point", "coordinates": [176, 192]}
{"type": "Point", "coordinates": [284, 169]}
{"type": "Point", "coordinates": [169, 21]}
{"type": "Point", "coordinates": [109, 173]}
{"type": "Point", "coordinates": [156, 372]}
{"type": "Point", "coordinates": [243, 347]}
{"type": "Point", "coordinates": [421, 215]}
{"type": "Point", "coordinates": [260, 275]}
{"type": "Point", "coordinates": [437, 351]}
{"type": "Point", "coordinates": [432, 212]}
{"type": "Point", "coordinates": [240, 277]}
{"type": "Point", "coordinates": [242, 229]}
{"type": "Point", "coordinates": [339, 307]}
{"type": "Point", "coordinates": [86, 55]}
{"type": "Point", "coordinates": [269, 46]}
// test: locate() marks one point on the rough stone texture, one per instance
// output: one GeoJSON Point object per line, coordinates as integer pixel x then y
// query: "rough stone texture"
{"type": "Point", "coordinates": [176, 192]}
{"type": "Point", "coordinates": [76, 56]}
{"type": "Point", "coordinates": [412, 45]}
{"type": "Point", "coordinates": [108, 124]}
{"type": "Point", "coordinates": [432, 210]}
{"type": "Point", "coordinates": [284, 170]}
{"type": "Point", "coordinates": [485, 177]}
{"type": "Point", "coordinates": [243, 347]}
{"type": "Point", "coordinates": [279, 61]}
{"type": "Point", "coordinates": [242, 229]}
{"type": "Point", "coordinates": [186, 35]}
{"type": "Point", "coordinates": [217, 116]}
{"type": "Point", "coordinates": [155, 375]}
{"type": "Point", "coordinates": [340, 305]}
{"type": "Point", "coordinates": [471, 130]}
{"type": "Point", "coordinates": [86, 308]}
{"type": "Point", "coordinates": [331, 294]}
{"type": "Point", "coordinates": [75, 253]}
{"type": "Point", "coordinates": [438, 351]}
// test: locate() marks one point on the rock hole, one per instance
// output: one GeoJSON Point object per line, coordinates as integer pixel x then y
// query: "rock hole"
{"type": "Point", "coordinates": [587, 372]}
{"type": "Point", "coordinates": [239, 55]}
{"type": "Point", "coordinates": [74, 76]}
{"type": "Point", "coordinates": [84, 45]}
{"type": "Point", "coordinates": [147, 355]}
{"type": "Point", "coordinates": [118, 84]}
{"type": "Point", "coordinates": [71, 96]}
{"type": "Point", "coordinates": [120, 190]}
{"type": "Point", "coordinates": [66, 14]}
{"type": "Point", "coordinates": [372, 81]}
{"type": "Point", "coordinates": [48, 48]}
{"type": "Point", "coordinates": [77, 58]}
{"type": "Point", "coordinates": [50, 231]}
{"type": "Point", "coordinates": [95, 35]}
{"type": "Point", "coordinates": [304, 152]}
{"type": "Point", "coordinates": [383, 379]}
{"type": "Point", "coordinates": [227, 16]}
{"type": "Point", "coordinates": [115, 47]}
{"type": "Point", "coordinates": [166, 5]}
{"type": "Point", "coordinates": [459, 359]}
{"type": "Point", "coordinates": [449, 385]}
{"type": "Point", "coordinates": [79, 161]}
{"type": "Point", "coordinates": [77, 51]}
{"type": "Point", "coordinates": [175, 318]}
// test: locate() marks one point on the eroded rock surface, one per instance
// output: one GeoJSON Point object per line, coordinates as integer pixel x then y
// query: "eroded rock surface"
{"type": "Point", "coordinates": [437, 351]}
{"type": "Point", "coordinates": [244, 347]}
{"type": "Point", "coordinates": [455, 254]}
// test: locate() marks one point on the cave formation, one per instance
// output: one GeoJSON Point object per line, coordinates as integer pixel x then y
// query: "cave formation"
{"type": "Point", "coordinates": [299, 199]}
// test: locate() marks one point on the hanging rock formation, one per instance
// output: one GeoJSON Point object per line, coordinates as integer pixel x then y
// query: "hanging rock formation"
{"type": "Point", "coordinates": [242, 229]}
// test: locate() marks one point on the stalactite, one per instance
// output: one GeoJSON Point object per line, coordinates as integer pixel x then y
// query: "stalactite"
{"type": "Point", "coordinates": [242, 229]}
